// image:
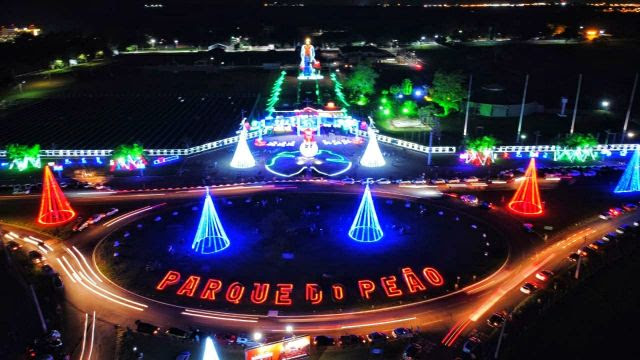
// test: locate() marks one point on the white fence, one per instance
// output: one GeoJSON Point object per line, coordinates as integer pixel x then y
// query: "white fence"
{"type": "Point", "coordinates": [409, 145]}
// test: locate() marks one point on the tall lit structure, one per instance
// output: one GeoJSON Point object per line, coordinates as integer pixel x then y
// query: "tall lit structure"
{"type": "Point", "coordinates": [372, 156]}
{"type": "Point", "coordinates": [242, 158]}
{"type": "Point", "coordinates": [54, 206]}
{"type": "Point", "coordinates": [365, 227]}
{"type": "Point", "coordinates": [210, 236]}
{"type": "Point", "coordinates": [210, 352]}
{"type": "Point", "coordinates": [630, 180]}
{"type": "Point", "coordinates": [526, 200]}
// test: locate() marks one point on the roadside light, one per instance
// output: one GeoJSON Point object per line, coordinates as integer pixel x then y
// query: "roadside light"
{"type": "Point", "coordinates": [630, 135]}
{"type": "Point", "coordinates": [289, 328]}
{"type": "Point", "coordinates": [605, 104]}
{"type": "Point", "coordinates": [257, 336]}
{"type": "Point", "coordinates": [523, 136]}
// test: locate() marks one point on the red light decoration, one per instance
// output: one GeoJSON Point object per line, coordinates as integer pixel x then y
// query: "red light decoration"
{"type": "Point", "coordinates": [259, 293]}
{"type": "Point", "coordinates": [211, 288]}
{"type": "Point", "coordinates": [189, 287]}
{"type": "Point", "coordinates": [54, 206]}
{"type": "Point", "coordinates": [526, 200]}
{"type": "Point", "coordinates": [234, 294]}
{"type": "Point", "coordinates": [433, 276]}
{"type": "Point", "coordinates": [171, 278]}
{"type": "Point", "coordinates": [413, 281]}
{"type": "Point", "coordinates": [283, 294]}
{"type": "Point", "coordinates": [366, 288]}
{"type": "Point", "coordinates": [313, 294]}
{"type": "Point", "coordinates": [337, 291]}
{"type": "Point", "coordinates": [390, 286]}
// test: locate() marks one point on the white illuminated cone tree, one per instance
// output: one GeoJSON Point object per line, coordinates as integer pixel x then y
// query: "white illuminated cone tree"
{"type": "Point", "coordinates": [210, 352]}
{"type": "Point", "coordinates": [372, 156]}
{"type": "Point", "coordinates": [242, 158]}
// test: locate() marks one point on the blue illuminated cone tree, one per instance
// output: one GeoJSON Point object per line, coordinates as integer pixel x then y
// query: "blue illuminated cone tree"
{"type": "Point", "coordinates": [366, 227]}
{"type": "Point", "coordinates": [630, 180]}
{"type": "Point", "coordinates": [242, 157]}
{"type": "Point", "coordinates": [210, 236]}
{"type": "Point", "coordinates": [372, 156]}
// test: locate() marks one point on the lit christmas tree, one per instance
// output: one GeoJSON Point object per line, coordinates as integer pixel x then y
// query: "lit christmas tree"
{"type": "Point", "coordinates": [54, 207]}
{"type": "Point", "coordinates": [242, 158]}
{"type": "Point", "coordinates": [526, 200]}
{"type": "Point", "coordinates": [210, 236]}
{"type": "Point", "coordinates": [209, 350]}
{"type": "Point", "coordinates": [372, 156]}
{"type": "Point", "coordinates": [365, 227]}
{"type": "Point", "coordinates": [630, 180]}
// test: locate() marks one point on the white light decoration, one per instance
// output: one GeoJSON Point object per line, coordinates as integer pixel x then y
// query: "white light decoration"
{"type": "Point", "coordinates": [210, 352]}
{"type": "Point", "coordinates": [372, 156]}
{"type": "Point", "coordinates": [242, 158]}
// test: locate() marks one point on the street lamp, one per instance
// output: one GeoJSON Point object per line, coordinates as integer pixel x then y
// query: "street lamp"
{"type": "Point", "coordinates": [257, 336]}
{"type": "Point", "coordinates": [630, 135]}
{"type": "Point", "coordinates": [289, 329]}
{"type": "Point", "coordinates": [152, 42]}
{"type": "Point", "coordinates": [175, 42]}
{"type": "Point", "coordinates": [605, 104]}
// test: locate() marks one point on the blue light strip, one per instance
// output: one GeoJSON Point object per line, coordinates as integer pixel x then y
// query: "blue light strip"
{"type": "Point", "coordinates": [630, 180]}
{"type": "Point", "coordinates": [210, 237]}
{"type": "Point", "coordinates": [365, 227]}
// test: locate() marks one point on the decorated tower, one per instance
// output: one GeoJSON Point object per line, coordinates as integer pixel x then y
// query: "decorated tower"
{"type": "Point", "coordinates": [210, 236]}
{"type": "Point", "coordinates": [365, 227]}
{"type": "Point", "coordinates": [372, 156]}
{"type": "Point", "coordinates": [630, 180]}
{"type": "Point", "coordinates": [54, 207]}
{"type": "Point", "coordinates": [526, 200]}
{"type": "Point", "coordinates": [242, 158]}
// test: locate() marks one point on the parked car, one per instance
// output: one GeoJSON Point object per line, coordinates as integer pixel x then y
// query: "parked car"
{"type": "Point", "coordinates": [185, 355]}
{"type": "Point", "coordinates": [176, 333]}
{"type": "Point", "coordinates": [21, 190]}
{"type": "Point", "coordinates": [57, 281]}
{"type": "Point", "coordinates": [454, 181]}
{"type": "Point", "coordinates": [472, 345]}
{"type": "Point", "coordinates": [226, 338]}
{"type": "Point", "coordinates": [402, 333]}
{"type": "Point", "coordinates": [13, 246]}
{"type": "Point", "coordinates": [630, 207]}
{"type": "Point", "coordinates": [412, 351]}
{"type": "Point", "coordinates": [471, 179]}
{"type": "Point", "coordinates": [419, 181]}
{"type": "Point", "coordinates": [246, 342]}
{"type": "Point", "coordinates": [623, 229]}
{"type": "Point", "coordinates": [605, 215]}
{"type": "Point", "coordinates": [322, 340]}
{"type": "Point", "coordinates": [544, 275]}
{"type": "Point", "coordinates": [376, 336]}
{"type": "Point", "coordinates": [346, 340]}
{"type": "Point", "coordinates": [469, 199]}
{"type": "Point", "coordinates": [610, 236]}
{"type": "Point", "coordinates": [486, 205]}
{"type": "Point", "coordinates": [383, 181]}
{"type": "Point", "coordinates": [438, 181]}
{"type": "Point", "coordinates": [497, 320]}
{"type": "Point", "coordinates": [348, 180]}
{"type": "Point", "coordinates": [35, 257]}
{"type": "Point", "coordinates": [574, 256]}
{"type": "Point", "coordinates": [146, 328]}
{"type": "Point", "coordinates": [528, 288]}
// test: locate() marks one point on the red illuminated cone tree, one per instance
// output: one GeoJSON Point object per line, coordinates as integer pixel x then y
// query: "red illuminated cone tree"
{"type": "Point", "coordinates": [526, 200]}
{"type": "Point", "coordinates": [54, 207]}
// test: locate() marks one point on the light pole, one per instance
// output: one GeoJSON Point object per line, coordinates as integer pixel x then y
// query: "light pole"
{"type": "Point", "coordinates": [575, 106]}
{"type": "Point", "coordinates": [524, 99]}
{"type": "Point", "coordinates": [626, 118]}
{"type": "Point", "coordinates": [466, 115]}
{"type": "Point", "coordinates": [504, 325]}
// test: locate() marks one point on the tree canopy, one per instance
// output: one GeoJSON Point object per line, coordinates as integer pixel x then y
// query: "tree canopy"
{"type": "Point", "coordinates": [486, 142]}
{"type": "Point", "coordinates": [580, 140]}
{"type": "Point", "coordinates": [447, 91]}
{"type": "Point", "coordinates": [361, 82]}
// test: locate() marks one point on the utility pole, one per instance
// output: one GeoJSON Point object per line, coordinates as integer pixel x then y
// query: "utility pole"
{"type": "Point", "coordinates": [575, 106]}
{"type": "Point", "coordinates": [497, 353]}
{"type": "Point", "coordinates": [466, 115]}
{"type": "Point", "coordinates": [626, 118]}
{"type": "Point", "coordinates": [524, 99]}
{"type": "Point", "coordinates": [430, 143]}
{"type": "Point", "coordinates": [579, 259]}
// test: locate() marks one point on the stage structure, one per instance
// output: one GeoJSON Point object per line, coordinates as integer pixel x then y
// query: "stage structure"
{"type": "Point", "coordinates": [630, 180]}
{"type": "Point", "coordinates": [372, 156]}
{"type": "Point", "coordinates": [366, 227]}
{"type": "Point", "coordinates": [309, 66]}
{"type": "Point", "coordinates": [210, 237]}
{"type": "Point", "coordinates": [54, 207]}
{"type": "Point", "coordinates": [526, 200]}
{"type": "Point", "coordinates": [242, 157]}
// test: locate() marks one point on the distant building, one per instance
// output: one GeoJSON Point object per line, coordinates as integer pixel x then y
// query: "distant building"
{"type": "Point", "coordinates": [10, 33]}
{"type": "Point", "coordinates": [368, 54]}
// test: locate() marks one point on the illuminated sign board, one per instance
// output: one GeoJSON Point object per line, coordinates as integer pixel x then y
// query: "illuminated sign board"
{"type": "Point", "coordinates": [294, 348]}
{"type": "Point", "coordinates": [407, 282]}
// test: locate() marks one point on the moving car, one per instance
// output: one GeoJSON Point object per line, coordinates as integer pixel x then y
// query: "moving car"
{"type": "Point", "coordinates": [112, 211]}
{"type": "Point", "coordinates": [322, 340]}
{"type": "Point", "coordinates": [528, 288]}
{"type": "Point", "coordinates": [630, 207]}
{"type": "Point", "coordinates": [96, 218]}
{"type": "Point", "coordinates": [146, 328]}
{"type": "Point", "coordinates": [402, 333]}
{"type": "Point", "coordinates": [246, 342]}
{"type": "Point", "coordinates": [544, 275]}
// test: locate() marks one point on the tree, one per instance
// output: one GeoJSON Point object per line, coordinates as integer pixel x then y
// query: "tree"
{"type": "Point", "coordinates": [577, 140]}
{"type": "Point", "coordinates": [447, 91]}
{"type": "Point", "coordinates": [361, 82]}
{"type": "Point", "coordinates": [407, 87]}
{"type": "Point", "coordinates": [482, 143]}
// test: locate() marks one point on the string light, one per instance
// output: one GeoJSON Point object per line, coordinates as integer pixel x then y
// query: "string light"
{"type": "Point", "coordinates": [630, 180]}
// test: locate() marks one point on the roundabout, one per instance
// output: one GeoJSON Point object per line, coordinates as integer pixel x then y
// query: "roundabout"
{"type": "Point", "coordinates": [291, 251]}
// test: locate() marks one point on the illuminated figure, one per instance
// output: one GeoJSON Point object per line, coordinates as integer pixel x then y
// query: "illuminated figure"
{"type": "Point", "coordinates": [309, 147]}
{"type": "Point", "coordinates": [242, 158]}
{"type": "Point", "coordinates": [372, 156]}
{"type": "Point", "coordinates": [308, 62]}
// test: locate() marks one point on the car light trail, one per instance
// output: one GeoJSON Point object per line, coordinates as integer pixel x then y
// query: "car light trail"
{"type": "Point", "coordinates": [217, 313]}
{"type": "Point", "coordinates": [66, 271]}
{"type": "Point", "coordinates": [190, 313]}
{"type": "Point", "coordinates": [131, 213]}
{"type": "Point", "coordinates": [86, 263]}
{"type": "Point", "coordinates": [84, 335]}
{"type": "Point", "coordinates": [455, 332]}
{"type": "Point", "coordinates": [93, 332]}
{"type": "Point", "coordinates": [377, 323]}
